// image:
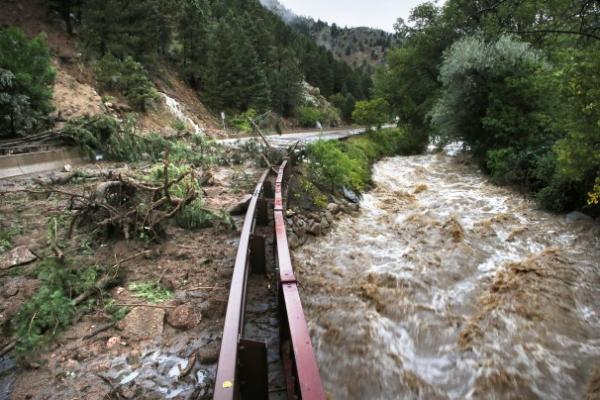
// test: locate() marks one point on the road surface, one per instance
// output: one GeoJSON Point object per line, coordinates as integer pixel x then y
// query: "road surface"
{"type": "Point", "coordinates": [54, 159]}
{"type": "Point", "coordinates": [288, 139]}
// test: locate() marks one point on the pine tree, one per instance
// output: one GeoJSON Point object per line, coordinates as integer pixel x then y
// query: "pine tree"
{"type": "Point", "coordinates": [193, 31]}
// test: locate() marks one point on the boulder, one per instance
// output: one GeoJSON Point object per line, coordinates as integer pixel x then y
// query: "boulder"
{"type": "Point", "coordinates": [324, 223]}
{"type": "Point", "coordinates": [576, 216]}
{"type": "Point", "coordinates": [314, 228]}
{"type": "Point", "coordinates": [209, 354]}
{"type": "Point", "coordinates": [293, 240]}
{"type": "Point", "coordinates": [18, 256]}
{"type": "Point", "coordinates": [241, 207]}
{"type": "Point", "coordinates": [143, 322]}
{"type": "Point", "coordinates": [350, 195]}
{"type": "Point", "coordinates": [10, 289]}
{"type": "Point", "coordinates": [333, 208]}
{"type": "Point", "coordinates": [184, 317]}
{"type": "Point", "coordinates": [329, 216]}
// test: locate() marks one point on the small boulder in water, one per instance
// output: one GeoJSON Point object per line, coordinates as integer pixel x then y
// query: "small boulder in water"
{"type": "Point", "coordinates": [577, 216]}
{"type": "Point", "coordinates": [350, 195]}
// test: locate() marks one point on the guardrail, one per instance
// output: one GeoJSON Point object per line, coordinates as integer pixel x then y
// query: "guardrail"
{"type": "Point", "coordinates": [227, 387]}
{"type": "Point", "coordinates": [300, 365]}
{"type": "Point", "coordinates": [242, 367]}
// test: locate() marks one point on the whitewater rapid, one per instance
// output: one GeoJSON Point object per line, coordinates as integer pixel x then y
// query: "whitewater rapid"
{"type": "Point", "coordinates": [445, 286]}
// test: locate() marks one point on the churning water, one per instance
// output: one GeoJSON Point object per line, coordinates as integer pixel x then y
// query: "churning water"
{"type": "Point", "coordinates": [448, 287]}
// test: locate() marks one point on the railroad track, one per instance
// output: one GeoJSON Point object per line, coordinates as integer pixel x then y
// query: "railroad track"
{"type": "Point", "coordinates": [258, 360]}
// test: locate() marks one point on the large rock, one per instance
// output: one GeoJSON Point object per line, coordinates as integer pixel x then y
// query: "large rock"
{"type": "Point", "coordinates": [293, 240]}
{"type": "Point", "coordinates": [184, 317]}
{"type": "Point", "coordinates": [314, 228]}
{"type": "Point", "coordinates": [143, 322]}
{"type": "Point", "coordinates": [333, 208]}
{"type": "Point", "coordinates": [17, 256]}
{"type": "Point", "coordinates": [241, 207]}
{"type": "Point", "coordinates": [350, 195]}
{"type": "Point", "coordinates": [209, 354]}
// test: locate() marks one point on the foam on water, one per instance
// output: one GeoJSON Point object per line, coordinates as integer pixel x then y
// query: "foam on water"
{"type": "Point", "coordinates": [460, 290]}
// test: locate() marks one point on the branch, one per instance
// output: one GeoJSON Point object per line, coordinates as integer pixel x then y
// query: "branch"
{"type": "Point", "coordinates": [558, 32]}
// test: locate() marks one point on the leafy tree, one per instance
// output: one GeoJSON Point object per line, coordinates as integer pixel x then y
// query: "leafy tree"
{"type": "Point", "coordinates": [372, 112]}
{"type": "Point", "coordinates": [491, 97]}
{"type": "Point", "coordinates": [26, 80]}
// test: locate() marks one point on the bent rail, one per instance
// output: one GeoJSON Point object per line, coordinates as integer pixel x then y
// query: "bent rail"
{"type": "Point", "coordinates": [227, 387]}
{"type": "Point", "coordinates": [300, 364]}
{"type": "Point", "coordinates": [298, 359]}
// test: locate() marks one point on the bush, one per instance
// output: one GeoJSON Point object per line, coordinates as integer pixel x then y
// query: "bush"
{"type": "Point", "coordinates": [309, 116]}
{"type": "Point", "coordinates": [51, 309]}
{"type": "Point", "coordinates": [240, 122]}
{"type": "Point", "coordinates": [335, 165]}
{"type": "Point", "coordinates": [494, 95]}
{"type": "Point", "coordinates": [26, 80]}
{"type": "Point", "coordinates": [129, 78]}
{"type": "Point", "coordinates": [374, 112]}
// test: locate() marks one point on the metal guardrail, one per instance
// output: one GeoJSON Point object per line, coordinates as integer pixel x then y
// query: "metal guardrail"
{"type": "Point", "coordinates": [227, 387]}
{"type": "Point", "coordinates": [300, 364]}
{"type": "Point", "coordinates": [242, 368]}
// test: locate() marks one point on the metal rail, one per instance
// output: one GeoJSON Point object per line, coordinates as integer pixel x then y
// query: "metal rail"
{"type": "Point", "coordinates": [300, 364]}
{"type": "Point", "coordinates": [240, 360]}
{"type": "Point", "coordinates": [226, 387]}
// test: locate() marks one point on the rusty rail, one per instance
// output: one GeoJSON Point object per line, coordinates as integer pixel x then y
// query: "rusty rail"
{"type": "Point", "coordinates": [300, 364]}
{"type": "Point", "coordinates": [226, 387]}
{"type": "Point", "coordinates": [237, 363]}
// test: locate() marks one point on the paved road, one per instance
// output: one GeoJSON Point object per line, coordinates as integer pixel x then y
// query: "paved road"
{"type": "Point", "coordinates": [29, 163]}
{"type": "Point", "coordinates": [288, 139]}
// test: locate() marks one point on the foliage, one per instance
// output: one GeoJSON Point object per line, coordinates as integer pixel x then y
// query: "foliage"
{"type": "Point", "coordinates": [26, 79]}
{"type": "Point", "coordinates": [309, 116]}
{"type": "Point", "coordinates": [51, 309]}
{"type": "Point", "coordinates": [194, 215]}
{"type": "Point", "coordinates": [594, 195]}
{"type": "Point", "coordinates": [129, 78]}
{"type": "Point", "coordinates": [235, 53]}
{"type": "Point", "coordinates": [117, 140]}
{"type": "Point", "coordinates": [372, 112]}
{"type": "Point", "coordinates": [345, 104]}
{"type": "Point", "coordinates": [334, 165]}
{"type": "Point", "coordinates": [150, 292]}
{"type": "Point", "coordinates": [240, 122]}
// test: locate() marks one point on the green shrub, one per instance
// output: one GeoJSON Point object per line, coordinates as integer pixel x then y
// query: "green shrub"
{"type": "Point", "coordinates": [129, 78]}
{"type": "Point", "coordinates": [26, 80]}
{"type": "Point", "coordinates": [309, 116]}
{"type": "Point", "coordinates": [152, 292]}
{"type": "Point", "coordinates": [335, 165]}
{"type": "Point", "coordinates": [240, 122]}
{"type": "Point", "coordinates": [374, 112]}
{"type": "Point", "coordinates": [51, 308]}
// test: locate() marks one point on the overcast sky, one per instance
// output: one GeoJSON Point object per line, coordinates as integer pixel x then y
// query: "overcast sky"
{"type": "Point", "coordinates": [372, 13]}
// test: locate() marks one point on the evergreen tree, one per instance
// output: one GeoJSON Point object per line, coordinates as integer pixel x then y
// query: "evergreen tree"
{"type": "Point", "coordinates": [26, 79]}
{"type": "Point", "coordinates": [193, 31]}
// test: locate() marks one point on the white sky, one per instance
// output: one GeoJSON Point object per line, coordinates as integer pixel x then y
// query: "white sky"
{"type": "Point", "coordinates": [352, 13]}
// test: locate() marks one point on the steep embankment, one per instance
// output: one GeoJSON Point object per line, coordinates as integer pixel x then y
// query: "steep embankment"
{"type": "Point", "coordinates": [77, 93]}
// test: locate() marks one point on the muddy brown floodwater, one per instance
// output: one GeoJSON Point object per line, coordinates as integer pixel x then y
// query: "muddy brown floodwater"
{"type": "Point", "coordinates": [445, 286]}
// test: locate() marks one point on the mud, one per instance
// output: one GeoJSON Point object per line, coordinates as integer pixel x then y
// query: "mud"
{"type": "Point", "coordinates": [446, 286]}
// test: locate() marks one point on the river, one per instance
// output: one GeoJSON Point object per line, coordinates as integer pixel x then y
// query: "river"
{"type": "Point", "coordinates": [445, 286]}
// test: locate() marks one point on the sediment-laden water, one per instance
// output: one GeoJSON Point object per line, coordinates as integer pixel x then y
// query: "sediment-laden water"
{"type": "Point", "coordinates": [448, 287]}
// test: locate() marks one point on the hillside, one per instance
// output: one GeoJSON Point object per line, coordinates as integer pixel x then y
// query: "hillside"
{"type": "Point", "coordinates": [177, 66]}
{"type": "Point", "coordinates": [362, 48]}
